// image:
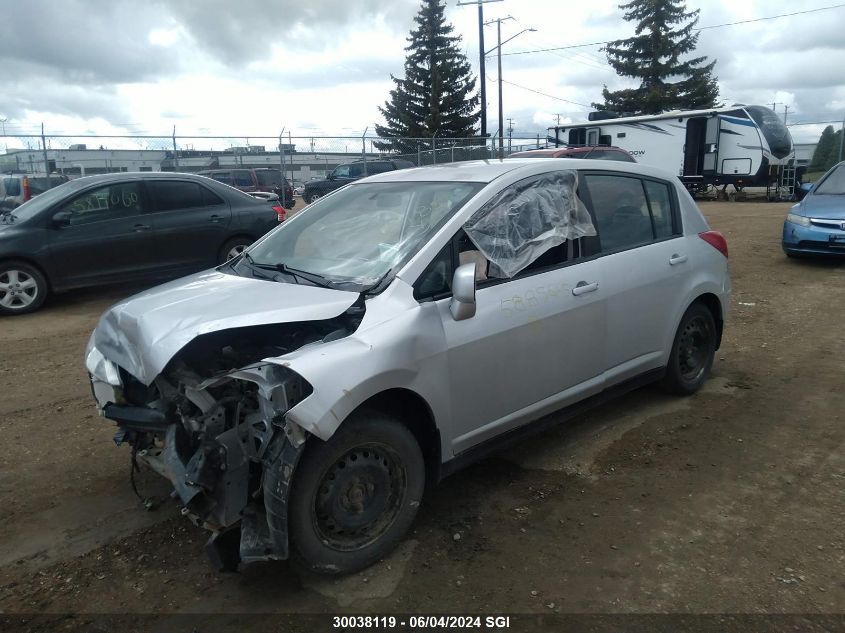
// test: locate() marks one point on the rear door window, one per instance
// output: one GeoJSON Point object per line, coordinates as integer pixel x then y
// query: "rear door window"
{"type": "Point", "coordinates": [209, 198]}
{"type": "Point", "coordinates": [378, 168]}
{"type": "Point", "coordinates": [221, 176]}
{"type": "Point", "coordinates": [243, 178]}
{"type": "Point", "coordinates": [268, 178]}
{"type": "Point", "coordinates": [621, 211]}
{"type": "Point", "coordinates": [175, 194]}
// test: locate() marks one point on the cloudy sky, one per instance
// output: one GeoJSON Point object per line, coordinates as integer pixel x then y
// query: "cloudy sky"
{"type": "Point", "coordinates": [321, 67]}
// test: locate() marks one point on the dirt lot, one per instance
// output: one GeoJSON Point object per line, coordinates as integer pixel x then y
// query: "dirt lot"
{"type": "Point", "coordinates": [728, 501]}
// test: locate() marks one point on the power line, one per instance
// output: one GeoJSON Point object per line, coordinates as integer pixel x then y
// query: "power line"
{"type": "Point", "coordinates": [505, 81]}
{"type": "Point", "coordinates": [701, 28]}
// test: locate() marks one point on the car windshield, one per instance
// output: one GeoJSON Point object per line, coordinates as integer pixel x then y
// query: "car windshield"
{"type": "Point", "coordinates": [362, 232]}
{"type": "Point", "coordinates": [833, 184]}
{"type": "Point", "coordinates": [48, 198]}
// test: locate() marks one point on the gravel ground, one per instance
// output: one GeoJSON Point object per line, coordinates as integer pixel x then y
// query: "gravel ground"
{"type": "Point", "coordinates": [726, 501]}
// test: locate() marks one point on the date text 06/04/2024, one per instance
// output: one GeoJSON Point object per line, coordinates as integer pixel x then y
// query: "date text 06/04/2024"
{"type": "Point", "coordinates": [421, 622]}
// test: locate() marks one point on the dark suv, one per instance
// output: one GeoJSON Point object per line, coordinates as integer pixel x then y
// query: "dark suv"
{"type": "Point", "coordinates": [250, 180]}
{"type": "Point", "coordinates": [344, 174]}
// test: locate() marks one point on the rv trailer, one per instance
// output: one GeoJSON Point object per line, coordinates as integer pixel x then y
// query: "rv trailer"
{"type": "Point", "coordinates": [740, 145]}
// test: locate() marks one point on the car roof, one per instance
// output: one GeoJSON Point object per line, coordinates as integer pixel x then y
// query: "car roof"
{"type": "Point", "coordinates": [489, 170]}
{"type": "Point", "coordinates": [138, 175]}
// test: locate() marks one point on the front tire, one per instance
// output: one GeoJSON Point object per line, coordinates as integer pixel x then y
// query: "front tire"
{"type": "Point", "coordinates": [233, 248]}
{"type": "Point", "coordinates": [355, 496]}
{"type": "Point", "coordinates": [692, 352]}
{"type": "Point", "coordinates": [23, 288]}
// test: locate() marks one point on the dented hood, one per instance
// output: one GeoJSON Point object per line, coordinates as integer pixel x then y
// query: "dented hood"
{"type": "Point", "coordinates": [142, 333]}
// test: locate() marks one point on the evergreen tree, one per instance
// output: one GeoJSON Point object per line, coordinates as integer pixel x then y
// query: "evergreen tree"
{"type": "Point", "coordinates": [827, 150]}
{"type": "Point", "coordinates": [664, 33]}
{"type": "Point", "coordinates": [436, 94]}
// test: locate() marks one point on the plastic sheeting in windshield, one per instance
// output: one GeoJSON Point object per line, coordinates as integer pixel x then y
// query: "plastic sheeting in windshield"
{"type": "Point", "coordinates": [527, 219]}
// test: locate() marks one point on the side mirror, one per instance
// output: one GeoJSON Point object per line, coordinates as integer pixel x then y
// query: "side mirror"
{"type": "Point", "coordinates": [462, 305]}
{"type": "Point", "coordinates": [61, 219]}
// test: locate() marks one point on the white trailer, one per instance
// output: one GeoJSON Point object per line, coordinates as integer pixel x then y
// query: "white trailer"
{"type": "Point", "coordinates": [740, 145]}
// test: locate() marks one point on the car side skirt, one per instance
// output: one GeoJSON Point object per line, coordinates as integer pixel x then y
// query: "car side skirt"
{"type": "Point", "coordinates": [498, 443]}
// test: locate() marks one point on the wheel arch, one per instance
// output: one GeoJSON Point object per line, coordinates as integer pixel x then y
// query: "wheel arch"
{"type": "Point", "coordinates": [714, 305]}
{"type": "Point", "coordinates": [30, 262]}
{"type": "Point", "coordinates": [414, 412]}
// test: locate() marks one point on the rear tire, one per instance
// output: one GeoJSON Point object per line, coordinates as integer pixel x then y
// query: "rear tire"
{"type": "Point", "coordinates": [692, 351]}
{"type": "Point", "coordinates": [354, 497]}
{"type": "Point", "coordinates": [23, 288]}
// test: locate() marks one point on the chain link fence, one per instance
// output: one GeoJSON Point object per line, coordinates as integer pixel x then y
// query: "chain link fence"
{"type": "Point", "coordinates": [301, 158]}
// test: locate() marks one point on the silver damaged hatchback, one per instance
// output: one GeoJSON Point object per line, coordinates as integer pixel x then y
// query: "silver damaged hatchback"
{"type": "Point", "coordinates": [300, 397]}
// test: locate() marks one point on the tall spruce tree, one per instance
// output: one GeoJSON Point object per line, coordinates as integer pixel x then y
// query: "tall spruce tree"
{"type": "Point", "coordinates": [826, 154]}
{"type": "Point", "coordinates": [436, 94]}
{"type": "Point", "coordinates": [823, 151]}
{"type": "Point", "coordinates": [663, 35]}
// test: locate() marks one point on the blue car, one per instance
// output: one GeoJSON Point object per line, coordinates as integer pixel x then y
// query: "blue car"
{"type": "Point", "coordinates": [816, 225]}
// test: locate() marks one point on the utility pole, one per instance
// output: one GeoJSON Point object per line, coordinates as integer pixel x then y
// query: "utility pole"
{"type": "Point", "coordinates": [5, 140]}
{"type": "Point", "coordinates": [46, 162]}
{"type": "Point", "coordinates": [501, 113]}
{"type": "Point", "coordinates": [510, 133]}
{"type": "Point", "coordinates": [281, 155]}
{"type": "Point", "coordinates": [175, 155]}
{"type": "Point", "coordinates": [785, 111]}
{"type": "Point", "coordinates": [841, 140]}
{"type": "Point", "coordinates": [498, 48]}
{"type": "Point", "coordinates": [483, 77]}
{"type": "Point", "coordinates": [364, 148]}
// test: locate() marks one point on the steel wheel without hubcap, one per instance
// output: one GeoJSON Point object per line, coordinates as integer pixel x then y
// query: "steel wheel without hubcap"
{"type": "Point", "coordinates": [694, 348]}
{"type": "Point", "coordinates": [692, 351]}
{"type": "Point", "coordinates": [353, 496]}
{"type": "Point", "coordinates": [18, 289]}
{"type": "Point", "coordinates": [359, 497]}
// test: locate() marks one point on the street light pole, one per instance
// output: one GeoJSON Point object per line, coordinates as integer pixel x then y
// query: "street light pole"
{"type": "Point", "coordinates": [501, 113]}
{"type": "Point", "coordinates": [498, 48]}
{"type": "Point", "coordinates": [482, 73]}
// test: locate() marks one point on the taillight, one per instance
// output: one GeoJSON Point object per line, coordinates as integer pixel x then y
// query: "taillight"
{"type": "Point", "coordinates": [280, 212]}
{"type": "Point", "coordinates": [27, 193]}
{"type": "Point", "coordinates": [716, 240]}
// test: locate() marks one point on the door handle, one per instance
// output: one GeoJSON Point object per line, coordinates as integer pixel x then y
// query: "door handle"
{"type": "Point", "coordinates": [582, 287]}
{"type": "Point", "coordinates": [677, 259]}
{"type": "Point", "coordinates": [215, 218]}
{"type": "Point", "coordinates": [138, 228]}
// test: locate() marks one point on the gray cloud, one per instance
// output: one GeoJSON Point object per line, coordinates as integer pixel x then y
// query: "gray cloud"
{"type": "Point", "coordinates": [81, 41]}
{"type": "Point", "coordinates": [243, 31]}
{"type": "Point", "coordinates": [20, 99]}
